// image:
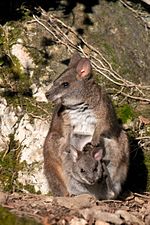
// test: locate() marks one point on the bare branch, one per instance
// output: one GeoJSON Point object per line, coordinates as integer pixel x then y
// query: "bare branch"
{"type": "Point", "coordinates": [59, 31]}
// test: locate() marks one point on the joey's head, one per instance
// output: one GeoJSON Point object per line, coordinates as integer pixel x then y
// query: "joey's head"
{"type": "Point", "coordinates": [87, 167]}
{"type": "Point", "coordinates": [69, 87]}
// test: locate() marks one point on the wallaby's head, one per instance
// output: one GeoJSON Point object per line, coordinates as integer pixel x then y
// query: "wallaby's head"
{"type": "Point", "coordinates": [87, 166]}
{"type": "Point", "coordinates": [68, 87]}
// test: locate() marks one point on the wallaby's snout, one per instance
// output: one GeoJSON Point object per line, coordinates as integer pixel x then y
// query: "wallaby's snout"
{"type": "Point", "coordinates": [50, 95]}
{"type": "Point", "coordinates": [54, 94]}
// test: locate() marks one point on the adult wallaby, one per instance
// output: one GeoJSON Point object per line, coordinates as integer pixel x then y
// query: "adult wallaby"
{"type": "Point", "coordinates": [84, 114]}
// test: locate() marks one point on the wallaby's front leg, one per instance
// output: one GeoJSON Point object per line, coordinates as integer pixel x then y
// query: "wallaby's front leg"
{"type": "Point", "coordinates": [102, 129]}
{"type": "Point", "coordinates": [98, 135]}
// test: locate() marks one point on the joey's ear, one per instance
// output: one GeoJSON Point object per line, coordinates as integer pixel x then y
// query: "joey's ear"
{"type": "Point", "coordinates": [83, 69]}
{"type": "Point", "coordinates": [98, 155]}
{"type": "Point", "coordinates": [75, 59]}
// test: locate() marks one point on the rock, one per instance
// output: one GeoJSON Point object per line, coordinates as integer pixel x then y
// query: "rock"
{"type": "Point", "coordinates": [99, 222]}
{"type": "Point", "coordinates": [95, 213]}
{"type": "Point", "coordinates": [129, 218]}
{"type": "Point", "coordinates": [78, 221]}
{"type": "Point", "coordinates": [147, 219]}
{"type": "Point", "coordinates": [8, 119]}
{"type": "Point", "coordinates": [39, 93]}
{"type": "Point", "coordinates": [21, 53]}
{"type": "Point", "coordinates": [146, 211]}
{"type": "Point", "coordinates": [77, 202]}
{"type": "Point", "coordinates": [3, 198]}
{"type": "Point", "coordinates": [138, 200]}
{"type": "Point", "coordinates": [30, 138]}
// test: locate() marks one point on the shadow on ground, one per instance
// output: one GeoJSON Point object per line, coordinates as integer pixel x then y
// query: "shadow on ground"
{"type": "Point", "coordinates": [138, 173]}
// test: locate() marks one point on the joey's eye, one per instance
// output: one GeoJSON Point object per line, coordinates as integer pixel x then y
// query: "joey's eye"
{"type": "Point", "coordinates": [95, 169]}
{"type": "Point", "coordinates": [82, 170]}
{"type": "Point", "coordinates": [65, 84]}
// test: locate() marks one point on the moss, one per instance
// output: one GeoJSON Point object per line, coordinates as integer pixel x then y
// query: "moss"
{"type": "Point", "coordinates": [2, 53]}
{"type": "Point", "coordinates": [14, 79]}
{"type": "Point", "coordinates": [19, 187]}
{"type": "Point", "coordinates": [13, 33]}
{"type": "Point", "coordinates": [111, 54]}
{"type": "Point", "coordinates": [15, 83]}
{"type": "Point", "coordinates": [125, 113]}
{"type": "Point", "coordinates": [7, 218]}
{"type": "Point", "coordinates": [29, 104]}
{"type": "Point", "coordinates": [30, 188]}
{"type": "Point", "coordinates": [9, 165]}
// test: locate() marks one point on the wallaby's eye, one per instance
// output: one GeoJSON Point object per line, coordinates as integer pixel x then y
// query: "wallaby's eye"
{"type": "Point", "coordinates": [82, 170]}
{"type": "Point", "coordinates": [65, 84]}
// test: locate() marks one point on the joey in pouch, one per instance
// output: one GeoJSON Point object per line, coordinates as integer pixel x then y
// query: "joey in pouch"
{"type": "Point", "coordinates": [85, 172]}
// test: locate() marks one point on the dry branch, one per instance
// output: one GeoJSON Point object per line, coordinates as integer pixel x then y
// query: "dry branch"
{"type": "Point", "coordinates": [59, 31]}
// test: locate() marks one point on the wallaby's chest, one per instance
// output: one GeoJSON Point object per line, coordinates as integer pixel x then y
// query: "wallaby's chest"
{"type": "Point", "coordinates": [83, 122]}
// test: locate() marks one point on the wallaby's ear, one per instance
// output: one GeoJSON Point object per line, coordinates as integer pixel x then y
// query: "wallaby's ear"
{"type": "Point", "coordinates": [98, 155]}
{"type": "Point", "coordinates": [75, 59]}
{"type": "Point", "coordinates": [83, 69]}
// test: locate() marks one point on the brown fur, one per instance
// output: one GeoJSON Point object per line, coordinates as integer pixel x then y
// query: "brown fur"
{"type": "Point", "coordinates": [85, 110]}
{"type": "Point", "coordinates": [52, 160]}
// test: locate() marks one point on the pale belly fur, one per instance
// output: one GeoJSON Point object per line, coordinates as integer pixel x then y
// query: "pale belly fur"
{"type": "Point", "coordinates": [83, 124]}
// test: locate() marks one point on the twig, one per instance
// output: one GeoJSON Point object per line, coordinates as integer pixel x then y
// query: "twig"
{"type": "Point", "coordinates": [55, 27]}
{"type": "Point", "coordinates": [141, 195]}
{"type": "Point", "coordinates": [142, 138]}
{"type": "Point", "coordinates": [138, 14]}
{"type": "Point", "coordinates": [136, 97]}
{"type": "Point", "coordinates": [38, 106]}
{"type": "Point", "coordinates": [126, 5]}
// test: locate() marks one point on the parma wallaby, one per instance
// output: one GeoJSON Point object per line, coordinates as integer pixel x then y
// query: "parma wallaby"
{"type": "Point", "coordinates": [84, 114]}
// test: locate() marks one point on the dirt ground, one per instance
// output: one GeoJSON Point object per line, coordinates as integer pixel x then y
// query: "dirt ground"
{"type": "Point", "coordinates": [79, 210]}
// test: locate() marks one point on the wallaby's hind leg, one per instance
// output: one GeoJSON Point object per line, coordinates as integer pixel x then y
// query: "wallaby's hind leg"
{"type": "Point", "coordinates": [56, 183]}
{"type": "Point", "coordinates": [110, 192]}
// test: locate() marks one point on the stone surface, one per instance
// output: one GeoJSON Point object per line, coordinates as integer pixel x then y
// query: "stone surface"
{"type": "Point", "coordinates": [22, 54]}
{"type": "Point", "coordinates": [31, 137]}
{"type": "Point", "coordinates": [99, 222]}
{"type": "Point", "coordinates": [128, 217]}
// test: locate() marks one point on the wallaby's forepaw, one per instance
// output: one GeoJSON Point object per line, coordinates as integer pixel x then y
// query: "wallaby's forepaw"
{"type": "Point", "coordinates": [88, 146]}
{"type": "Point", "coordinates": [95, 142]}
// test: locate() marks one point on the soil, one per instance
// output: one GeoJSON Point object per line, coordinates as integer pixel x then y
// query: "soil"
{"type": "Point", "coordinates": [84, 209]}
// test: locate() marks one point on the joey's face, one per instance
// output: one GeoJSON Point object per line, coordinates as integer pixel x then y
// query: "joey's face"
{"type": "Point", "coordinates": [89, 170]}
{"type": "Point", "coordinates": [66, 89]}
